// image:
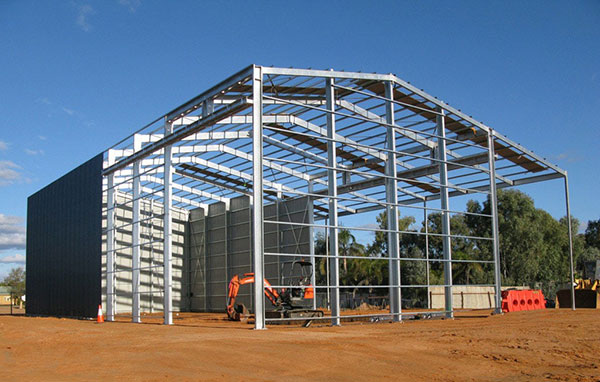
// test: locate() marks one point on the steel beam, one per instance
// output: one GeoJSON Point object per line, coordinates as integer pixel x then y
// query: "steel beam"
{"type": "Point", "coordinates": [568, 204]}
{"type": "Point", "coordinates": [426, 223]}
{"type": "Point", "coordinates": [495, 232]}
{"type": "Point", "coordinates": [294, 149]}
{"type": "Point", "coordinates": [391, 197]}
{"type": "Point", "coordinates": [110, 249]}
{"type": "Point", "coordinates": [446, 240]}
{"type": "Point", "coordinates": [180, 134]}
{"type": "Point", "coordinates": [187, 189]}
{"type": "Point", "coordinates": [334, 273]}
{"type": "Point", "coordinates": [486, 188]}
{"type": "Point", "coordinates": [168, 231]}
{"type": "Point", "coordinates": [211, 93]}
{"type": "Point", "coordinates": [424, 141]}
{"type": "Point", "coordinates": [311, 235]}
{"type": "Point", "coordinates": [257, 199]}
{"type": "Point", "coordinates": [135, 233]}
{"type": "Point", "coordinates": [326, 74]}
{"type": "Point", "coordinates": [442, 105]}
{"type": "Point", "coordinates": [135, 245]}
{"type": "Point", "coordinates": [340, 138]}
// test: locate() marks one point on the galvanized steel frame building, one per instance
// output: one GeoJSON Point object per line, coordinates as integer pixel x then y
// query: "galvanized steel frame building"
{"type": "Point", "coordinates": [350, 142]}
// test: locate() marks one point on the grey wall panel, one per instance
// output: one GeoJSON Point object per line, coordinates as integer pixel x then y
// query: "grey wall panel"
{"type": "Point", "coordinates": [216, 246]}
{"type": "Point", "coordinates": [64, 244]}
{"type": "Point", "coordinates": [294, 239]}
{"type": "Point", "coordinates": [197, 260]}
{"type": "Point", "coordinates": [240, 239]}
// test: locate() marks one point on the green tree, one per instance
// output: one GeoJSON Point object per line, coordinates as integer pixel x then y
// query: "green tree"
{"type": "Point", "coordinates": [588, 254]}
{"type": "Point", "coordinates": [463, 248]}
{"type": "Point", "coordinates": [592, 234]}
{"type": "Point", "coordinates": [347, 246]}
{"type": "Point", "coordinates": [380, 244]}
{"type": "Point", "coordinates": [534, 246]}
{"type": "Point", "coordinates": [16, 281]}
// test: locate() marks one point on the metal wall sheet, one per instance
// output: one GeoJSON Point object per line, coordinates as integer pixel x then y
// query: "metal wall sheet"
{"type": "Point", "coordinates": [197, 260]}
{"type": "Point", "coordinates": [64, 241]}
{"type": "Point", "coordinates": [239, 238]}
{"type": "Point", "coordinates": [216, 262]}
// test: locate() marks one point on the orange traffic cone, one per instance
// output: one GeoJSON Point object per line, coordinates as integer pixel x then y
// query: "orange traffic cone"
{"type": "Point", "coordinates": [100, 315]}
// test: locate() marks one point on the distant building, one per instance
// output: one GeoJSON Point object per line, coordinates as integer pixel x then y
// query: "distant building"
{"type": "Point", "coordinates": [4, 295]}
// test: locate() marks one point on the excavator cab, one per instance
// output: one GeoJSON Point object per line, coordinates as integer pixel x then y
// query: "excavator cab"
{"type": "Point", "coordinates": [297, 274]}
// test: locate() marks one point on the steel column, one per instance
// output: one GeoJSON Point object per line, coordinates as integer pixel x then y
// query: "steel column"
{"type": "Point", "coordinates": [570, 241]}
{"type": "Point", "coordinates": [334, 265]}
{"type": "Point", "coordinates": [257, 199]}
{"type": "Point", "coordinates": [135, 250]}
{"type": "Point", "coordinates": [110, 249]}
{"type": "Point", "coordinates": [327, 263]}
{"type": "Point", "coordinates": [311, 235]}
{"type": "Point", "coordinates": [446, 241]}
{"type": "Point", "coordinates": [426, 223]}
{"type": "Point", "coordinates": [391, 197]}
{"type": "Point", "coordinates": [168, 232]}
{"type": "Point", "coordinates": [495, 232]}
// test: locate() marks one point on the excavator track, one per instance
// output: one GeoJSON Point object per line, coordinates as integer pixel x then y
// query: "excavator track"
{"type": "Point", "coordinates": [302, 315]}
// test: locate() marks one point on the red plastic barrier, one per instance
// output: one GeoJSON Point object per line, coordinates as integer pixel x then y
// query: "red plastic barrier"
{"type": "Point", "coordinates": [538, 299]}
{"type": "Point", "coordinates": [517, 300]}
{"type": "Point", "coordinates": [528, 299]}
{"type": "Point", "coordinates": [510, 301]}
{"type": "Point", "coordinates": [522, 299]}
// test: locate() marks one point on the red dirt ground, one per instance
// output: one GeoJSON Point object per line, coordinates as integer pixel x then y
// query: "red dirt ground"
{"type": "Point", "coordinates": [551, 345]}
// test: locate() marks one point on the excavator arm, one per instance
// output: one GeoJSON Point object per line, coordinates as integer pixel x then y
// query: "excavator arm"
{"type": "Point", "coordinates": [234, 288]}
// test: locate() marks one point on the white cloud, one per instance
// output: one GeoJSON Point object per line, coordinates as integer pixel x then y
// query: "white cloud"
{"type": "Point", "coordinates": [3, 146]}
{"type": "Point", "coordinates": [9, 172]}
{"type": "Point", "coordinates": [68, 111]}
{"type": "Point", "coordinates": [583, 226]}
{"type": "Point", "coordinates": [82, 17]}
{"type": "Point", "coordinates": [12, 232]}
{"type": "Point", "coordinates": [10, 223]}
{"type": "Point", "coordinates": [132, 5]}
{"type": "Point", "coordinates": [13, 259]}
{"type": "Point", "coordinates": [42, 137]}
{"type": "Point", "coordinates": [568, 157]}
{"type": "Point", "coordinates": [34, 152]}
{"type": "Point", "coordinates": [369, 226]}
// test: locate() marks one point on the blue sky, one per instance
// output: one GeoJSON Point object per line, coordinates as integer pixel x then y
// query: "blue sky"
{"type": "Point", "coordinates": [77, 76]}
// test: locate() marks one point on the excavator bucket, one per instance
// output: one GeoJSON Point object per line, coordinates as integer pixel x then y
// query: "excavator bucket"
{"type": "Point", "coordinates": [240, 313]}
{"type": "Point", "coordinates": [584, 298]}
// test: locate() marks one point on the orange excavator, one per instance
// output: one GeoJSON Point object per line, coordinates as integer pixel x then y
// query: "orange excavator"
{"type": "Point", "coordinates": [289, 302]}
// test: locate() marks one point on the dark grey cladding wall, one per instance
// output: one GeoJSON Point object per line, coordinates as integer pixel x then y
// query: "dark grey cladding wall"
{"type": "Point", "coordinates": [64, 244]}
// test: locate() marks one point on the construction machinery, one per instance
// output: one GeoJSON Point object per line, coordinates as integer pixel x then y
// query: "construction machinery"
{"type": "Point", "coordinates": [290, 301]}
{"type": "Point", "coordinates": [587, 289]}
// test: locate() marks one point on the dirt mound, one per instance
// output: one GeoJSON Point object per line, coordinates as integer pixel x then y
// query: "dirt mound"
{"type": "Point", "coordinates": [366, 307]}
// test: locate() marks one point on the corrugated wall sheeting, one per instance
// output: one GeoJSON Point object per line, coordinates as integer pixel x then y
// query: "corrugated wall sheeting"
{"type": "Point", "coordinates": [64, 241]}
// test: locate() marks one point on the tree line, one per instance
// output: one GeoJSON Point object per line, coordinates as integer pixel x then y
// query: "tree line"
{"type": "Point", "coordinates": [534, 249]}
